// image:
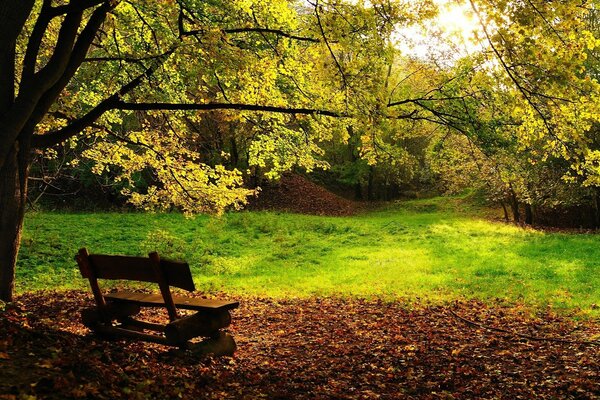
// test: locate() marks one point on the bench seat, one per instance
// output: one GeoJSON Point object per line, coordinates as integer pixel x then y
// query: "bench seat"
{"type": "Point", "coordinates": [187, 303]}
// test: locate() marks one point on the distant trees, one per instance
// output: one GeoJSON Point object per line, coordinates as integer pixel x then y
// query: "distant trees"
{"type": "Point", "coordinates": [530, 135]}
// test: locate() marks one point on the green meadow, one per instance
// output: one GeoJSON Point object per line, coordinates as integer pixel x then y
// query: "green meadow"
{"type": "Point", "coordinates": [435, 250]}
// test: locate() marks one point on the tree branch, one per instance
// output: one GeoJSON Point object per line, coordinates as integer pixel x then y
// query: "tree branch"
{"type": "Point", "coordinates": [225, 106]}
{"type": "Point", "coordinates": [273, 31]}
{"type": "Point", "coordinates": [278, 32]}
{"type": "Point", "coordinates": [524, 91]}
{"type": "Point", "coordinates": [12, 20]}
{"type": "Point", "coordinates": [337, 63]}
{"type": "Point", "coordinates": [77, 126]}
{"type": "Point", "coordinates": [35, 41]}
{"type": "Point", "coordinates": [125, 58]}
{"type": "Point", "coordinates": [114, 103]}
{"type": "Point", "coordinates": [417, 100]}
{"type": "Point", "coordinates": [48, 75]}
{"type": "Point", "coordinates": [77, 57]}
{"type": "Point", "coordinates": [80, 6]}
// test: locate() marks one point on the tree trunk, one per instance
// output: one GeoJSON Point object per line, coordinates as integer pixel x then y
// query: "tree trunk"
{"type": "Point", "coordinates": [370, 184]}
{"type": "Point", "coordinates": [358, 191]}
{"type": "Point", "coordinates": [13, 193]}
{"type": "Point", "coordinates": [235, 155]}
{"type": "Point", "coordinates": [514, 205]}
{"type": "Point", "coordinates": [14, 160]}
{"type": "Point", "coordinates": [596, 222]}
{"type": "Point", "coordinates": [505, 211]}
{"type": "Point", "coordinates": [528, 214]}
{"type": "Point", "coordinates": [353, 157]}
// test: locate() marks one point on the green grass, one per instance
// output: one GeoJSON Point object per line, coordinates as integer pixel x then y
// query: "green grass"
{"type": "Point", "coordinates": [428, 249]}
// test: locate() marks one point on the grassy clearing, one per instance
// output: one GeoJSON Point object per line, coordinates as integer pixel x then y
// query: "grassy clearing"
{"type": "Point", "coordinates": [419, 249]}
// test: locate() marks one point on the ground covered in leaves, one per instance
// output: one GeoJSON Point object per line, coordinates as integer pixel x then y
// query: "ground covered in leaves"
{"type": "Point", "coordinates": [295, 193]}
{"type": "Point", "coordinates": [308, 349]}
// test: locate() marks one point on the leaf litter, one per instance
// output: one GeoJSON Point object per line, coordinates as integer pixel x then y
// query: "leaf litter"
{"type": "Point", "coordinates": [317, 348]}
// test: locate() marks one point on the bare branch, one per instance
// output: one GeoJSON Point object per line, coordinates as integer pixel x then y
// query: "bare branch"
{"type": "Point", "coordinates": [419, 99]}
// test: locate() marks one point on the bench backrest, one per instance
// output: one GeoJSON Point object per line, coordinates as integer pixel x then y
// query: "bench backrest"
{"type": "Point", "coordinates": [177, 274]}
{"type": "Point", "coordinates": [165, 273]}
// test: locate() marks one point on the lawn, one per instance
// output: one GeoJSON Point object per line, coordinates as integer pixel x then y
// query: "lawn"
{"type": "Point", "coordinates": [434, 250]}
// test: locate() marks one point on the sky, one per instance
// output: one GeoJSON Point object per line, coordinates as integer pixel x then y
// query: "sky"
{"type": "Point", "coordinates": [451, 33]}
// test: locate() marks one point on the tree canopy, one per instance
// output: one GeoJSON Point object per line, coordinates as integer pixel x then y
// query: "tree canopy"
{"type": "Point", "coordinates": [181, 101]}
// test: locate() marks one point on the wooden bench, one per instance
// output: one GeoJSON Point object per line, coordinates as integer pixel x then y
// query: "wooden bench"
{"type": "Point", "coordinates": [113, 315]}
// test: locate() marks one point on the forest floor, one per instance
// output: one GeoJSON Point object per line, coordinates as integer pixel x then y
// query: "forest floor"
{"type": "Point", "coordinates": [328, 348]}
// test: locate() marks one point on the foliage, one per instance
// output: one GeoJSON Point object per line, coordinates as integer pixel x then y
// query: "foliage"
{"type": "Point", "coordinates": [525, 109]}
{"type": "Point", "coordinates": [523, 105]}
{"type": "Point", "coordinates": [278, 54]}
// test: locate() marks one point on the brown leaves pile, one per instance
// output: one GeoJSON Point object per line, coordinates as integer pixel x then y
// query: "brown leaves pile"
{"type": "Point", "coordinates": [295, 193]}
{"type": "Point", "coordinates": [306, 349]}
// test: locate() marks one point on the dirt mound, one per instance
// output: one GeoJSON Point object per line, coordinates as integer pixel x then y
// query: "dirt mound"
{"type": "Point", "coordinates": [295, 193]}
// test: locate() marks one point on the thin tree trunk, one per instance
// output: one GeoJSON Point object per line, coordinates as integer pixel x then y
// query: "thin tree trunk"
{"type": "Point", "coordinates": [514, 205]}
{"type": "Point", "coordinates": [13, 193]}
{"type": "Point", "coordinates": [235, 156]}
{"type": "Point", "coordinates": [528, 214]}
{"type": "Point", "coordinates": [370, 184]}
{"type": "Point", "coordinates": [596, 222]}
{"type": "Point", "coordinates": [358, 191]}
{"type": "Point", "coordinates": [353, 157]}
{"type": "Point", "coordinates": [506, 218]}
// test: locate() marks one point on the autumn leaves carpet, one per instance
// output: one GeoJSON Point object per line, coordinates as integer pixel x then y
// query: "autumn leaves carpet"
{"type": "Point", "coordinates": [309, 349]}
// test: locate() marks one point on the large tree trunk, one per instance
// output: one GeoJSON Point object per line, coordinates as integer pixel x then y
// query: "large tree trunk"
{"type": "Point", "coordinates": [13, 167]}
{"type": "Point", "coordinates": [13, 192]}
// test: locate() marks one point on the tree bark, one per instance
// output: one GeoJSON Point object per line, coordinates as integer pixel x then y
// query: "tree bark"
{"type": "Point", "coordinates": [358, 191]}
{"type": "Point", "coordinates": [13, 193]}
{"type": "Point", "coordinates": [235, 155]}
{"type": "Point", "coordinates": [370, 184]}
{"type": "Point", "coordinates": [514, 205]}
{"type": "Point", "coordinates": [596, 216]}
{"type": "Point", "coordinates": [505, 211]}
{"type": "Point", "coordinates": [528, 214]}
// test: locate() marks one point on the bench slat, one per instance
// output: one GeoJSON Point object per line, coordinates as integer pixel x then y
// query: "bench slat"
{"type": "Point", "coordinates": [140, 269]}
{"type": "Point", "coordinates": [187, 303]}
